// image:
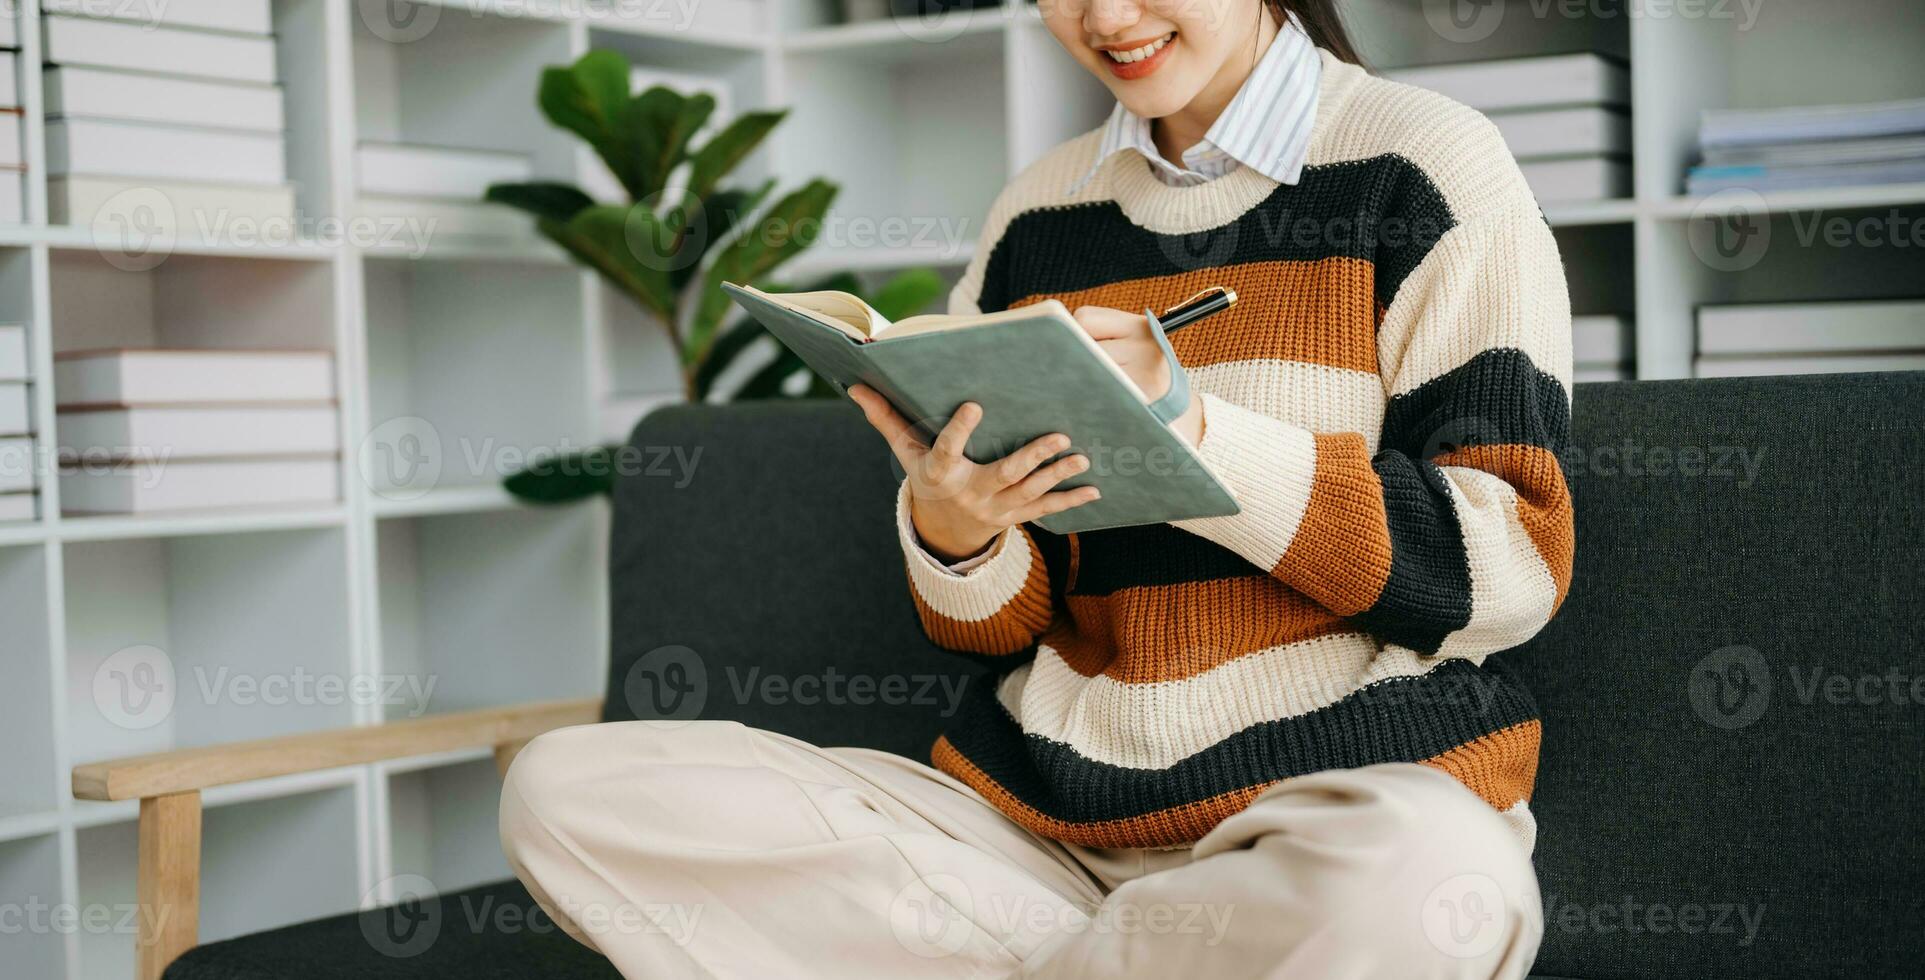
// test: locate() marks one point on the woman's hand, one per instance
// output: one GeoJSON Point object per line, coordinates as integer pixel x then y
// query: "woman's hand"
{"type": "Point", "coordinates": [1126, 338]}
{"type": "Point", "coordinates": [958, 506]}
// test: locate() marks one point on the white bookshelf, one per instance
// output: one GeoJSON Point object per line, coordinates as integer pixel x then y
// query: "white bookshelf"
{"type": "Point", "coordinates": [496, 349]}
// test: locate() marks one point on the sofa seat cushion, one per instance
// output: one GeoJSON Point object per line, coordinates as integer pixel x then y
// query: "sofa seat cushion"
{"type": "Point", "coordinates": [491, 932]}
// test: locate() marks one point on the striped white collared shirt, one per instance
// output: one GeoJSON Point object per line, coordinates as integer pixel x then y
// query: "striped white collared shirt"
{"type": "Point", "coordinates": [1266, 126]}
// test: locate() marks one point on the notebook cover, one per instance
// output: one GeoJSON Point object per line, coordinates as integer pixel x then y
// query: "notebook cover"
{"type": "Point", "coordinates": [1032, 376]}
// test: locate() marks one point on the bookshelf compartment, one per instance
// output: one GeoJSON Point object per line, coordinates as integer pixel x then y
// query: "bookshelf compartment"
{"type": "Point", "coordinates": [190, 641]}
{"type": "Point", "coordinates": [442, 822]}
{"type": "Point", "coordinates": [34, 945]}
{"type": "Point", "coordinates": [938, 143]}
{"type": "Point", "coordinates": [1794, 53]}
{"type": "Point", "coordinates": [458, 78]}
{"type": "Point", "coordinates": [494, 608]}
{"type": "Point", "coordinates": [1600, 267]}
{"type": "Point", "coordinates": [474, 368]}
{"type": "Point", "coordinates": [263, 864]}
{"type": "Point", "coordinates": [28, 782]}
{"type": "Point", "coordinates": [194, 301]}
{"type": "Point", "coordinates": [1401, 34]}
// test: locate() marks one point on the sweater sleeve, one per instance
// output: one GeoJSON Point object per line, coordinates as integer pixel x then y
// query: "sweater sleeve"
{"type": "Point", "coordinates": [998, 607]}
{"type": "Point", "coordinates": [1453, 535]}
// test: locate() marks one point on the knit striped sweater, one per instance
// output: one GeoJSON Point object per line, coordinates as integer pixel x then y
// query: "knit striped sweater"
{"type": "Point", "coordinates": [1386, 403]}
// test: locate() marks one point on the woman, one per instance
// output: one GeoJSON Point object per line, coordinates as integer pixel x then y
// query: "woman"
{"type": "Point", "coordinates": [1255, 745]}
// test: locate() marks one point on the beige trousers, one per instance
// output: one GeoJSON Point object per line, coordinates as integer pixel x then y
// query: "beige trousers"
{"type": "Point", "coordinates": [709, 849]}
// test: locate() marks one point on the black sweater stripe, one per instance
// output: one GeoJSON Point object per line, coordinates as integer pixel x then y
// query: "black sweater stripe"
{"type": "Point", "coordinates": [1497, 398]}
{"type": "Point", "coordinates": [1383, 209]}
{"type": "Point", "coordinates": [1398, 720]}
{"type": "Point", "coordinates": [1153, 554]}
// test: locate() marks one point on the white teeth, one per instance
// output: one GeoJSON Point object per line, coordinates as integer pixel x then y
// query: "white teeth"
{"type": "Point", "coordinates": [1138, 54]}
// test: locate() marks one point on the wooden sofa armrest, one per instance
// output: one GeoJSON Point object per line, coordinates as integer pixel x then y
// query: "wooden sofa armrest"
{"type": "Point", "coordinates": [168, 786]}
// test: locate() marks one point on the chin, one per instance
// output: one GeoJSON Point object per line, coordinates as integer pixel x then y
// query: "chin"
{"type": "Point", "coordinates": [1166, 100]}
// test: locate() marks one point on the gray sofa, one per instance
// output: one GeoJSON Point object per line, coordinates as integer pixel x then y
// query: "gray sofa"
{"type": "Point", "coordinates": [1733, 773]}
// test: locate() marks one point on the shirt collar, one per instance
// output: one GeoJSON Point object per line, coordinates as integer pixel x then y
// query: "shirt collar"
{"type": "Point", "coordinates": [1266, 126]}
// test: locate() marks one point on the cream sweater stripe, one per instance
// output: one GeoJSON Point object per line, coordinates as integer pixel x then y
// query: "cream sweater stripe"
{"type": "Point", "coordinates": [973, 597]}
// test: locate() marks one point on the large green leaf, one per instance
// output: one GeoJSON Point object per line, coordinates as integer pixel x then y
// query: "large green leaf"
{"type": "Point", "coordinates": [785, 231]}
{"type": "Point", "coordinates": [767, 383]}
{"type": "Point", "coordinates": [721, 212]}
{"type": "Point", "coordinates": [606, 238]}
{"type": "Point", "coordinates": [908, 293]}
{"type": "Point", "coordinates": [660, 122]}
{"type": "Point", "coordinates": [728, 148]}
{"type": "Point", "coordinates": [586, 97]}
{"type": "Point", "coordinates": [565, 477]}
{"type": "Point", "coordinates": [555, 202]}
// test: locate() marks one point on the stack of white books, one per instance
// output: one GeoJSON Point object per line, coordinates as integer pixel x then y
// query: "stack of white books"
{"type": "Point", "coordinates": [13, 157]}
{"type": "Point", "coordinates": [147, 431]}
{"type": "Point", "coordinates": [1811, 147]}
{"type": "Point", "coordinates": [1810, 338]}
{"type": "Point", "coordinates": [16, 427]}
{"type": "Point", "coordinates": [440, 188]}
{"type": "Point", "coordinates": [186, 104]}
{"type": "Point", "coordinates": [1566, 118]}
{"type": "Point", "coordinates": [1602, 348]}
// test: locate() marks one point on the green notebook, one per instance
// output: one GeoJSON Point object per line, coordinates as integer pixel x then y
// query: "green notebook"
{"type": "Point", "coordinates": [1033, 371]}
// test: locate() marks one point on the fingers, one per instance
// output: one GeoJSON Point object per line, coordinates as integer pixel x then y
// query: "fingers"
{"type": "Point", "coordinates": [1024, 461]}
{"type": "Point", "coordinates": [1055, 503]}
{"type": "Point", "coordinates": [1044, 480]}
{"type": "Point", "coordinates": [884, 418]}
{"type": "Point", "coordinates": [954, 437]}
{"type": "Point", "coordinates": [1103, 323]}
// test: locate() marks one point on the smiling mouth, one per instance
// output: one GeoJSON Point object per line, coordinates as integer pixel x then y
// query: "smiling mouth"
{"type": "Point", "coordinates": [1140, 60]}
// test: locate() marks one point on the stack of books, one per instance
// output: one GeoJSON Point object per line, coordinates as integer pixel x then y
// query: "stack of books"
{"type": "Point", "coordinates": [187, 105]}
{"type": "Point", "coordinates": [1810, 338]}
{"type": "Point", "coordinates": [440, 188]}
{"type": "Point", "coordinates": [1602, 348]}
{"type": "Point", "coordinates": [16, 427]}
{"type": "Point", "coordinates": [147, 431]}
{"type": "Point", "coordinates": [1810, 147]}
{"type": "Point", "coordinates": [13, 182]}
{"type": "Point", "coordinates": [1566, 118]}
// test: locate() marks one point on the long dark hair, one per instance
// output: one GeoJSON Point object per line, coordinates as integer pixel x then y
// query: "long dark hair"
{"type": "Point", "coordinates": [1321, 22]}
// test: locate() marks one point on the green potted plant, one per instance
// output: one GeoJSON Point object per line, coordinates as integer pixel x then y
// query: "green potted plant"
{"type": "Point", "coordinates": [680, 235]}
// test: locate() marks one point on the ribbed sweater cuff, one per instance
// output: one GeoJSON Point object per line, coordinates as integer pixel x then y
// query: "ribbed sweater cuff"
{"type": "Point", "coordinates": [971, 596]}
{"type": "Point", "coordinates": [1268, 466]}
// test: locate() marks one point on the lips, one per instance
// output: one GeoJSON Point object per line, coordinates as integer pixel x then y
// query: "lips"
{"type": "Point", "coordinates": [1138, 60]}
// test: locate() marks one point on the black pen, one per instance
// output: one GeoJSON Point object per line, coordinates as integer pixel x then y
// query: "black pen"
{"type": "Point", "coordinates": [1210, 301]}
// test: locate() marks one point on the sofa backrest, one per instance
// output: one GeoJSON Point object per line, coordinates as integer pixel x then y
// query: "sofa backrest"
{"type": "Point", "coordinates": [1731, 781]}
